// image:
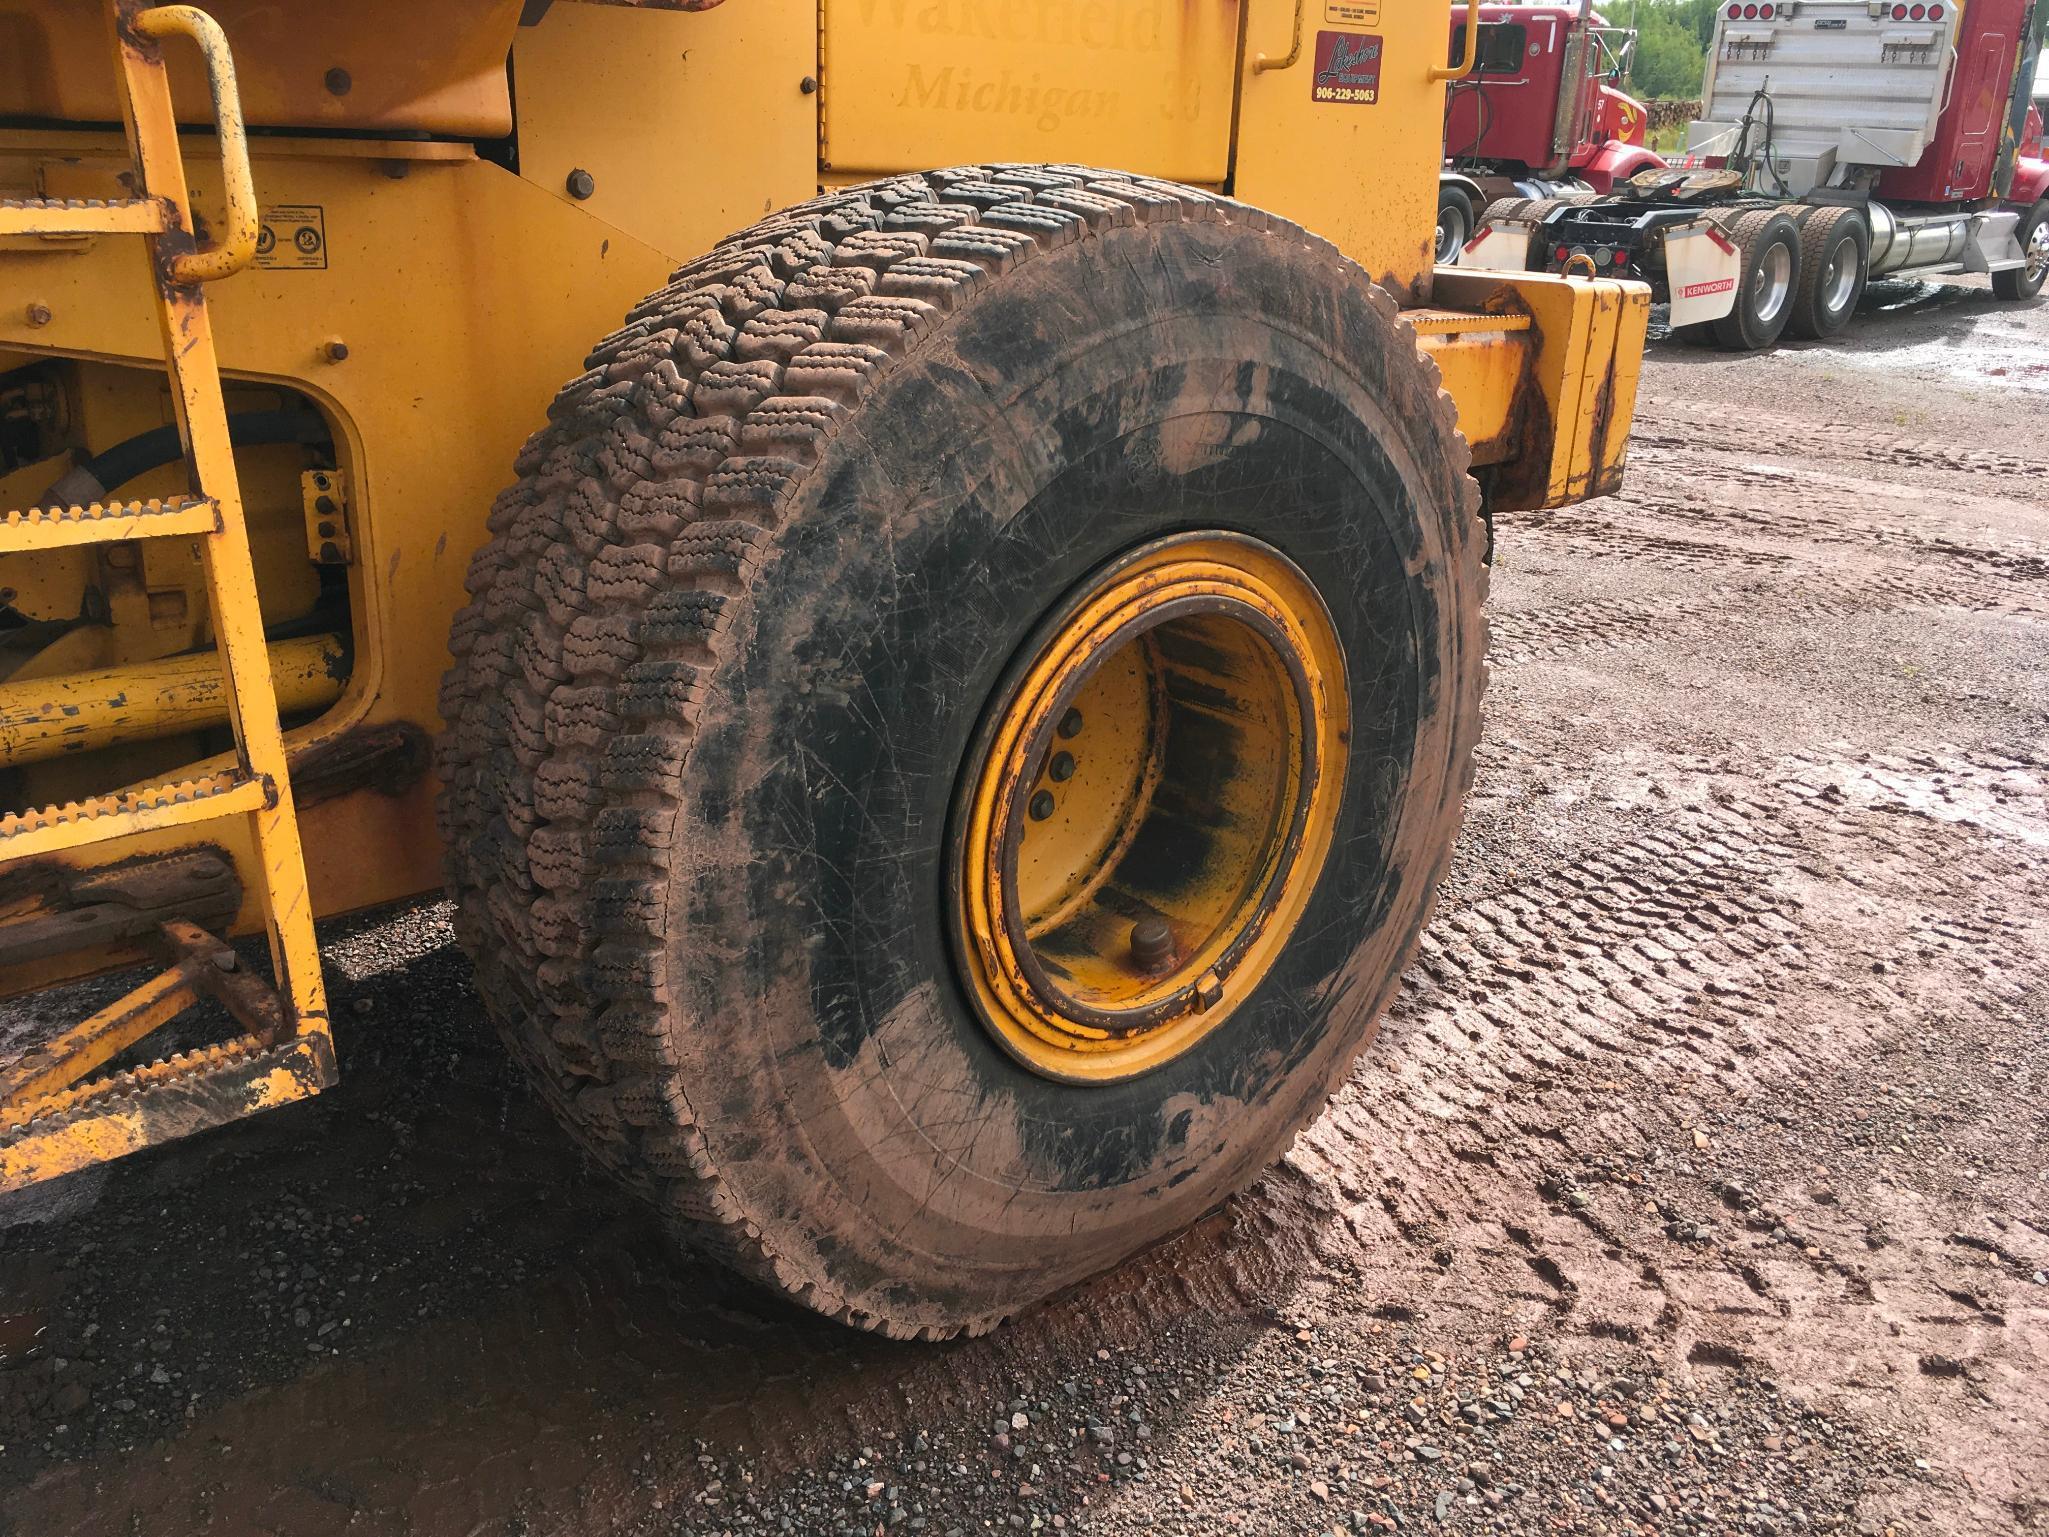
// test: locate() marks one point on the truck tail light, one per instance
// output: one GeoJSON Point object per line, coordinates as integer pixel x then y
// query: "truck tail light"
{"type": "Point", "coordinates": [1563, 253]}
{"type": "Point", "coordinates": [1935, 13]}
{"type": "Point", "coordinates": [1735, 13]}
{"type": "Point", "coordinates": [1915, 13]}
{"type": "Point", "coordinates": [1899, 13]}
{"type": "Point", "coordinates": [1750, 13]}
{"type": "Point", "coordinates": [1764, 12]}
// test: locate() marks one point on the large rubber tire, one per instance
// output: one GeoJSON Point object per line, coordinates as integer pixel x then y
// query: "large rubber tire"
{"type": "Point", "coordinates": [737, 624]}
{"type": "Point", "coordinates": [2026, 282]}
{"type": "Point", "coordinates": [1454, 223]}
{"type": "Point", "coordinates": [1764, 236]}
{"type": "Point", "coordinates": [1835, 253]}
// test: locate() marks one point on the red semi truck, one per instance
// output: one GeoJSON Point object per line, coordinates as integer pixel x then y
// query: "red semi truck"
{"type": "Point", "coordinates": [1541, 115]}
{"type": "Point", "coordinates": [1840, 140]}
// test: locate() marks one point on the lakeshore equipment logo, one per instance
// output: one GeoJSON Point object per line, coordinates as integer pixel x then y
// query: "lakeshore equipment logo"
{"type": "Point", "coordinates": [1347, 68]}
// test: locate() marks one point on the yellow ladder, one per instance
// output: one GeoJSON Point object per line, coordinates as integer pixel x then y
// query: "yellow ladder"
{"type": "Point", "coordinates": [52, 1119]}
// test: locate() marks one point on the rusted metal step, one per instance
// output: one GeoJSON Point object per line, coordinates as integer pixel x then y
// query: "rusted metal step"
{"type": "Point", "coordinates": [53, 528]}
{"type": "Point", "coordinates": [83, 216]}
{"type": "Point", "coordinates": [52, 829]}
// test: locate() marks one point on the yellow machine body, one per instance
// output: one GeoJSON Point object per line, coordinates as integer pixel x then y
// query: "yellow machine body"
{"type": "Point", "coordinates": [437, 251]}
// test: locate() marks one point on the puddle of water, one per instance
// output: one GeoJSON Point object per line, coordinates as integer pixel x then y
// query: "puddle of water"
{"type": "Point", "coordinates": [21, 1337]}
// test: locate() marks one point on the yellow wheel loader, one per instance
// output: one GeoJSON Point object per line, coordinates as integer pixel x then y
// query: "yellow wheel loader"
{"type": "Point", "coordinates": [958, 707]}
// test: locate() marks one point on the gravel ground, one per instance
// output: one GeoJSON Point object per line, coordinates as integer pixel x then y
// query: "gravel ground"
{"type": "Point", "coordinates": [1695, 1184]}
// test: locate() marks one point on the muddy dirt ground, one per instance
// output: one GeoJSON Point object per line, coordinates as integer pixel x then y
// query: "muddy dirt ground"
{"type": "Point", "coordinates": [1696, 1183]}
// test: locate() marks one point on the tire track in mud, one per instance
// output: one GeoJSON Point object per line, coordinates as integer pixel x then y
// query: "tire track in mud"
{"type": "Point", "coordinates": [1674, 973]}
{"type": "Point", "coordinates": [1836, 512]}
{"type": "Point", "coordinates": [1551, 633]}
{"type": "Point", "coordinates": [1664, 425]}
{"type": "Point", "coordinates": [1527, 635]}
{"type": "Point", "coordinates": [1726, 578]}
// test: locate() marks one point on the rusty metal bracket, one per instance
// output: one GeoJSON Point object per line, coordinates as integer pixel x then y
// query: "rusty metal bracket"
{"type": "Point", "coordinates": [325, 496]}
{"type": "Point", "coordinates": [113, 904]}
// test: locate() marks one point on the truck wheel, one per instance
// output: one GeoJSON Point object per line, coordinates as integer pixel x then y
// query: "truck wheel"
{"type": "Point", "coordinates": [958, 725]}
{"type": "Point", "coordinates": [1770, 245]}
{"type": "Point", "coordinates": [1454, 223]}
{"type": "Point", "coordinates": [1835, 246]}
{"type": "Point", "coordinates": [2025, 282]}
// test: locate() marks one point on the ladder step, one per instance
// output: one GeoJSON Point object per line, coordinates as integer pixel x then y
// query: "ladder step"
{"type": "Point", "coordinates": [53, 829]}
{"type": "Point", "coordinates": [144, 1106]}
{"type": "Point", "coordinates": [52, 528]}
{"type": "Point", "coordinates": [82, 216]}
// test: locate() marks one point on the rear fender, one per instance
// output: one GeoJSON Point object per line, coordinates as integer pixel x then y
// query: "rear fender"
{"type": "Point", "coordinates": [1465, 184]}
{"type": "Point", "coordinates": [1616, 161]}
{"type": "Point", "coordinates": [2030, 182]}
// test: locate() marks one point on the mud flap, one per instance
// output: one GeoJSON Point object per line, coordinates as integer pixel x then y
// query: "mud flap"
{"type": "Point", "coordinates": [1499, 247]}
{"type": "Point", "coordinates": [1702, 266]}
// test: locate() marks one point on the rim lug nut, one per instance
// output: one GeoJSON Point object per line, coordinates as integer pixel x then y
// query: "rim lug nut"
{"type": "Point", "coordinates": [1061, 769]}
{"type": "Point", "coordinates": [1152, 944]}
{"type": "Point", "coordinates": [1041, 806]}
{"type": "Point", "coordinates": [1070, 723]}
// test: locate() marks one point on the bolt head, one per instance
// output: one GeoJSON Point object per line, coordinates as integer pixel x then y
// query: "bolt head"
{"type": "Point", "coordinates": [1041, 806]}
{"type": "Point", "coordinates": [1152, 943]}
{"type": "Point", "coordinates": [335, 351]}
{"type": "Point", "coordinates": [338, 82]}
{"type": "Point", "coordinates": [580, 184]}
{"type": "Point", "coordinates": [1061, 769]}
{"type": "Point", "coordinates": [39, 314]}
{"type": "Point", "coordinates": [1070, 724]}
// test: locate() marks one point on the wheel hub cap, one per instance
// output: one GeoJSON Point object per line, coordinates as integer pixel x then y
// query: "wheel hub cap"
{"type": "Point", "coordinates": [1151, 802]}
{"type": "Point", "coordinates": [1772, 282]}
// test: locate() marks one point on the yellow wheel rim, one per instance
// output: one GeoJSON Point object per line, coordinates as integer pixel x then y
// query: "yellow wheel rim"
{"type": "Point", "coordinates": [1149, 807]}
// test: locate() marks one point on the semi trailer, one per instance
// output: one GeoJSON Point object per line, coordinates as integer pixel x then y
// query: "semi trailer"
{"type": "Point", "coordinates": [1840, 140]}
{"type": "Point", "coordinates": [1542, 114]}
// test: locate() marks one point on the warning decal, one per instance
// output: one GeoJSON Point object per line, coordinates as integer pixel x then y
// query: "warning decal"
{"type": "Point", "coordinates": [1347, 68]}
{"type": "Point", "coordinates": [293, 238]}
{"type": "Point", "coordinates": [1352, 13]}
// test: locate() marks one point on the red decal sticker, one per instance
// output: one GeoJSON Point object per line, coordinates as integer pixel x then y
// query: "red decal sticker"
{"type": "Point", "coordinates": [1347, 69]}
{"type": "Point", "coordinates": [1717, 286]}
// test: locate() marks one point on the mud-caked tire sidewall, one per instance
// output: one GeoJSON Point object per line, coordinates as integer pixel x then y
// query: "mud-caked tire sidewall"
{"type": "Point", "coordinates": [823, 778]}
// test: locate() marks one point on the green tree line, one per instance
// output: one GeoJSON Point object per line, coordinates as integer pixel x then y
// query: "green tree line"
{"type": "Point", "coordinates": [1671, 44]}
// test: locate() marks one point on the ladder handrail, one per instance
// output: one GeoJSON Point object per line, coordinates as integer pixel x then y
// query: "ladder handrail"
{"type": "Point", "coordinates": [236, 246]}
